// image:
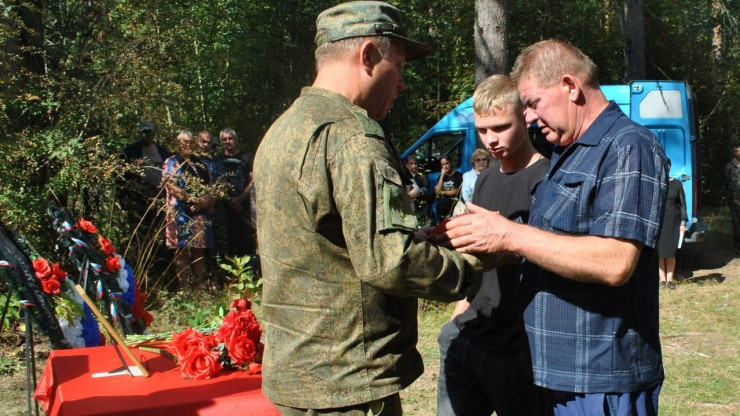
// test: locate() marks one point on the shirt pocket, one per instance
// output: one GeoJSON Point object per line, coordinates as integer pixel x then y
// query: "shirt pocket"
{"type": "Point", "coordinates": [394, 202]}
{"type": "Point", "coordinates": [565, 202]}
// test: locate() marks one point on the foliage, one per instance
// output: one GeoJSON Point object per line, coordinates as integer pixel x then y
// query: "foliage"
{"type": "Point", "coordinates": [247, 283]}
{"type": "Point", "coordinates": [10, 366]}
{"type": "Point", "coordinates": [180, 309]}
{"type": "Point", "coordinates": [76, 77]}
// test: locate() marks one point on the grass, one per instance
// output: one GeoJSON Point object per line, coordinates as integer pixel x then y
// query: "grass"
{"type": "Point", "coordinates": [700, 329]}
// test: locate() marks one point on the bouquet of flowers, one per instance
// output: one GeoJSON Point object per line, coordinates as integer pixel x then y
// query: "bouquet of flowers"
{"type": "Point", "coordinates": [235, 345]}
{"type": "Point", "coordinates": [104, 274]}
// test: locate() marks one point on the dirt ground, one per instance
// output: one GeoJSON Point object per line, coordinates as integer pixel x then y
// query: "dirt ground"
{"type": "Point", "coordinates": [709, 260]}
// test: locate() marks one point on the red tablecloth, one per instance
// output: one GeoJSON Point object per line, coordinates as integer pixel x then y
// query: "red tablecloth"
{"type": "Point", "coordinates": [67, 388]}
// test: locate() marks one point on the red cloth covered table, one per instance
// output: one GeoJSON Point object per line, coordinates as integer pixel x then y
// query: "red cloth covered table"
{"type": "Point", "coordinates": [67, 388]}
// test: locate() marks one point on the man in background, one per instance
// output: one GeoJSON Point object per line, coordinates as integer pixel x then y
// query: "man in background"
{"type": "Point", "coordinates": [144, 173]}
{"type": "Point", "coordinates": [241, 238]}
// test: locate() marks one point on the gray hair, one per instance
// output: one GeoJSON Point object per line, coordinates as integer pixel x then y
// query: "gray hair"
{"type": "Point", "coordinates": [544, 62]}
{"type": "Point", "coordinates": [329, 51]}
{"type": "Point", "coordinates": [229, 131]}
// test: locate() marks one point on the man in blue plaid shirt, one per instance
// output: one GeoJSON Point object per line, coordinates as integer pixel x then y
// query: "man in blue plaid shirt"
{"type": "Point", "coordinates": [590, 266]}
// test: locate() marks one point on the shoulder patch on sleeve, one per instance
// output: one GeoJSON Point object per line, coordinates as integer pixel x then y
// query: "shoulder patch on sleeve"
{"type": "Point", "coordinates": [369, 126]}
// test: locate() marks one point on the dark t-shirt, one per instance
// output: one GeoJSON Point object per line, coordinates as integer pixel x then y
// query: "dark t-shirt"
{"type": "Point", "coordinates": [492, 320]}
{"type": "Point", "coordinates": [445, 202]}
{"type": "Point", "coordinates": [237, 171]}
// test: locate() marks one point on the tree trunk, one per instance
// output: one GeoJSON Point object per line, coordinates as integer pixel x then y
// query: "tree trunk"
{"type": "Point", "coordinates": [32, 35]}
{"type": "Point", "coordinates": [634, 39]}
{"type": "Point", "coordinates": [491, 39]}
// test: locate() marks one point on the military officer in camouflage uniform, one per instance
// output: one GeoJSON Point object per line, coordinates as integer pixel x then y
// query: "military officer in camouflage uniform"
{"type": "Point", "coordinates": [342, 266]}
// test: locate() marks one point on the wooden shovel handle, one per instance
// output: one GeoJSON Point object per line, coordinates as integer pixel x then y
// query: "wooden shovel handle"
{"type": "Point", "coordinates": [111, 331]}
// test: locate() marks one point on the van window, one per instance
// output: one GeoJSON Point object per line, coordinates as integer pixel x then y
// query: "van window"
{"type": "Point", "coordinates": [662, 104]}
{"type": "Point", "coordinates": [443, 144]}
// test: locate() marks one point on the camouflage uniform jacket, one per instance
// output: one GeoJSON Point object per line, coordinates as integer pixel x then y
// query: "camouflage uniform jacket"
{"type": "Point", "coordinates": [341, 267]}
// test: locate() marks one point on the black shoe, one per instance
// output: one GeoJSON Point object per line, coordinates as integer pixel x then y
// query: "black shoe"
{"type": "Point", "coordinates": [671, 285]}
{"type": "Point", "coordinates": [663, 284]}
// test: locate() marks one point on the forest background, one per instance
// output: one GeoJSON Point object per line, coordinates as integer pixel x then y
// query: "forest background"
{"type": "Point", "coordinates": [76, 77]}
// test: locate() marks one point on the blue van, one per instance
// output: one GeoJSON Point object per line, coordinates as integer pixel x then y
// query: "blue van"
{"type": "Point", "coordinates": [665, 107]}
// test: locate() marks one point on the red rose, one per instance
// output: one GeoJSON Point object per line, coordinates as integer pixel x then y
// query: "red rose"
{"type": "Point", "coordinates": [87, 226]}
{"type": "Point", "coordinates": [57, 273]}
{"type": "Point", "coordinates": [241, 349]}
{"type": "Point", "coordinates": [186, 340]}
{"type": "Point", "coordinates": [105, 245]}
{"type": "Point", "coordinates": [254, 368]}
{"type": "Point", "coordinates": [200, 363]}
{"type": "Point", "coordinates": [241, 304]}
{"type": "Point", "coordinates": [51, 286]}
{"type": "Point", "coordinates": [41, 268]}
{"type": "Point", "coordinates": [113, 263]}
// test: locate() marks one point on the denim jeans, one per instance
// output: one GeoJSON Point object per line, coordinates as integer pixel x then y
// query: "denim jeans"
{"type": "Point", "coordinates": [639, 403]}
{"type": "Point", "coordinates": [476, 382]}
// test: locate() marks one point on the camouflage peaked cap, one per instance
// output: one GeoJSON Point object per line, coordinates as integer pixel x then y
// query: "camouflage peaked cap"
{"type": "Point", "coordinates": [365, 18]}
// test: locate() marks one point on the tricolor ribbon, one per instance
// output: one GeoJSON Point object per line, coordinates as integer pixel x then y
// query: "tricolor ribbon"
{"type": "Point", "coordinates": [80, 242]}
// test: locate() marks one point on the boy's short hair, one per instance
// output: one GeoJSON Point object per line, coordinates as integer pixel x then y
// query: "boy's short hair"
{"type": "Point", "coordinates": [494, 93]}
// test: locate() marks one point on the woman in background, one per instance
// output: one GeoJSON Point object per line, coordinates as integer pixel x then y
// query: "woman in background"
{"type": "Point", "coordinates": [674, 227]}
{"type": "Point", "coordinates": [188, 230]}
{"type": "Point", "coordinates": [480, 161]}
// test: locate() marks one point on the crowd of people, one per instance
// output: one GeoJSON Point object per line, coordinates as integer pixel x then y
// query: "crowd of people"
{"type": "Point", "coordinates": [210, 213]}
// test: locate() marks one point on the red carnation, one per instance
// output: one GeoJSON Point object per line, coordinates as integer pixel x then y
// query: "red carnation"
{"type": "Point", "coordinates": [113, 263]}
{"type": "Point", "coordinates": [241, 304]}
{"type": "Point", "coordinates": [87, 226]}
{"type": "Point", "coordinates": [57, 273]}
{"type": "Point", "coordinates": [240, 323]}
{"type": "Point", "coordinates": [106, 245]}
